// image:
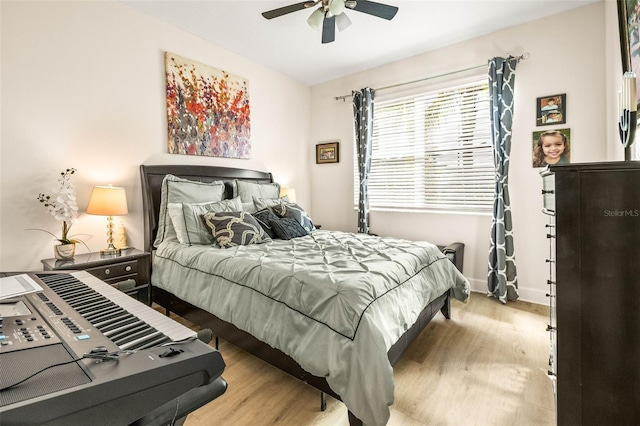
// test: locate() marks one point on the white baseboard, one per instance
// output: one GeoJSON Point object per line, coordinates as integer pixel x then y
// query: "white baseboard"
{"type": "Point", "coordinates": [527, 294]}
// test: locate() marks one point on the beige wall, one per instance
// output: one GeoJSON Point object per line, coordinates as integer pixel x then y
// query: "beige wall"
{"type": "Point", "coordinates": [568, 54]}
{"type": "Point", "coordinates": [83, 86]}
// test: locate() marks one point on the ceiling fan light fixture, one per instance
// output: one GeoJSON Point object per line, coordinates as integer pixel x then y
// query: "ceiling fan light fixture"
{"type": "Point", "coordinates": [342, 22]}
{"type": "Point", "coordinates": [336, 7]}
{"type": "Point", "coordinates": [316, 18]}
{"type": "Point", "coordinates": [330, 14]}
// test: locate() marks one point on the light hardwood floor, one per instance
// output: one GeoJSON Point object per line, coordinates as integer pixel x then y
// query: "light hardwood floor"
{"type": "Point", "coordinates": [485, 366]}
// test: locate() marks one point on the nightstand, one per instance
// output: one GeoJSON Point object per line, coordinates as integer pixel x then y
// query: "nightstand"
{"type": "Point", "coordinates": [128, 272]}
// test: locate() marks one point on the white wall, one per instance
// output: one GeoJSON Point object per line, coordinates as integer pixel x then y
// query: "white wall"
{"type": "Point", "coordinates": [567, 55]}
{"type": "Point", "coordinates": [83, 86]}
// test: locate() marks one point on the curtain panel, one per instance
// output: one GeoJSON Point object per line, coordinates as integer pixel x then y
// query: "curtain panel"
{"type": "Point", "coordinates": [363, 125]}
{"type": "Point", "coordinates": [502, 280]}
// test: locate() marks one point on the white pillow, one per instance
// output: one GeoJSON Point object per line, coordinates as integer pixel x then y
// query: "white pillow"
{"type": "Point", "coordinates": [179, 190]}
{"type": "Point", "coordinates": [188, 222]}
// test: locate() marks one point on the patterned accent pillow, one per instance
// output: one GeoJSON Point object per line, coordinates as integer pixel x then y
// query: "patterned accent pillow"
{"type": "Point", "coordinates": [296, 212]}
{"type": "Point", "coordinates": [235, 229]}
{"type": "Point", "coordinates": [263, 217]}
{"type": "Point", "coordinates": [287, 228]}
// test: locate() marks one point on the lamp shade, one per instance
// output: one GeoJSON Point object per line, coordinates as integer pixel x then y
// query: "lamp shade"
{"type": "Point", "coordinates": [336, 6]}
{"type": "Point", "coordinates": [288, 192]}
{"type": "Point", "coordinates": [316, 18]}
{"type": "Point", "coordinates": [108, 201]}
{"type": "Point", "coordinates": [342, 21]}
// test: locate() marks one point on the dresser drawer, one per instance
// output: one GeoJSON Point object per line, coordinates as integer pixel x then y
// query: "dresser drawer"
{"type": "Point", "coordinates": [115, 271]}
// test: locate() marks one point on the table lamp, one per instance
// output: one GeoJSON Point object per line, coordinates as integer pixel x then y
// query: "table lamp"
{"type": "Point", "coordinates": [108, 201]}
{"type": "Point", "coordinates": [290, 193]}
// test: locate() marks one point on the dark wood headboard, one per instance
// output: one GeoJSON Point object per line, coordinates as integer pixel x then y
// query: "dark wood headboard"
{"type": "Point", "coordinates": [152, 177]}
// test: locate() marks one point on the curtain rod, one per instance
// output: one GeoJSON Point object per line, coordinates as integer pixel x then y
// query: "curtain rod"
{"type": "Point", "coordinates": [344, 97]}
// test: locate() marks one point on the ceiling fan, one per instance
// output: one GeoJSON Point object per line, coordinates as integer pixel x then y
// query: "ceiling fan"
{"type": "Point", "coordinates": [330, 14]}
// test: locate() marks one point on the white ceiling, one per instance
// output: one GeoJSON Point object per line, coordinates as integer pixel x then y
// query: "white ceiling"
{"type": "Point", "coordinates": [289, 45]}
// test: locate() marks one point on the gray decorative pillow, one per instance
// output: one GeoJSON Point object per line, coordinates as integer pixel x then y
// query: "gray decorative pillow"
{"type": "Point", "coordinates": [235, 229]}
{"type": "Point", "coordinates": [179, 190]}
{"type": "Point", "coordinates": [188, 223]}
{"type": "Point", "coordinates": [296, 212]}
{"type": "Point", "coordinates": [287, 228]}
{"type": "Point", "coordinates": [247, 190]}
{"type": "Point", "coordinates": [263, 203]}
{"type": "Point", "coordinates": [263, 217]}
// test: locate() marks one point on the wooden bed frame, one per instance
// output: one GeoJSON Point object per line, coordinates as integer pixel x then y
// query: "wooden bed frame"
{"type": "Point", "coordinates": [152, 177]}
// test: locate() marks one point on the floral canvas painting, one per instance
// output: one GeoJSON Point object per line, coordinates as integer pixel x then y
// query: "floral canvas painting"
{"type": "Point", "coordinates": [207, 110]}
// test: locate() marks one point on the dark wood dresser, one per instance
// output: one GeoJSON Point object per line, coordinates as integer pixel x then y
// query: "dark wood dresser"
{"type": "Point", "coordinates": [597, 220]}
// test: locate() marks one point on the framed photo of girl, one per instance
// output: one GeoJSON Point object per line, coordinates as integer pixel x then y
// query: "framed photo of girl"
{"type": "Point", "coordinates": [551, 110]}
{"type": "Point", "coordinates": [551, 147]}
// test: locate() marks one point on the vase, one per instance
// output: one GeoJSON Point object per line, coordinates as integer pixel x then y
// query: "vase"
{"type": "Point", "coordinates": [64, 251]}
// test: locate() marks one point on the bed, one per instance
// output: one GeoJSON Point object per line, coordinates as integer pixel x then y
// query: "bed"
{"type": "Point", "coordinates": [333, 309]}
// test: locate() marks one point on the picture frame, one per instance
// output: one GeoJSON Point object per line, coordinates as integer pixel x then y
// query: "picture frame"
{"type": "Point", "coordinates": [629, 32]}
{"type": "Point", "coordinates": [551, 110]}
{"type": "Point", "coordinates": [190, 109]}
{"type": "Point", "coordinates": [328, 153]}
{"type": "Point", "coordinates": [562, 154]}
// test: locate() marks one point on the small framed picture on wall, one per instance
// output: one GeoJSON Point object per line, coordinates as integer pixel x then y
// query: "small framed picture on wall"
{"type": "Point", "coordinates": [327, 153]}
{"type": "Point", "coordinates": [551, 110]}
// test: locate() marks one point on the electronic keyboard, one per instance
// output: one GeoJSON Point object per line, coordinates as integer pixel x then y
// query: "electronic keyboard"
{"type": "Point", "coordinates": [90, 354]}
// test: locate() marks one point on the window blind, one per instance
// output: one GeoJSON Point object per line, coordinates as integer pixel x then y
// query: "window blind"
{"type": "Point", "coordinates": [433, 151]}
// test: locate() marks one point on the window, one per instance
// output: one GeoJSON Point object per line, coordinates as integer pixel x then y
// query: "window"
{"type": "Point", "coordinates": [433, 151]}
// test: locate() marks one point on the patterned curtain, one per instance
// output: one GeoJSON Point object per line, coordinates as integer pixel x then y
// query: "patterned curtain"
{"type": "Point", "coordinates": [502, 278]}
{"type": "Point", "coordinates": [363, 124]}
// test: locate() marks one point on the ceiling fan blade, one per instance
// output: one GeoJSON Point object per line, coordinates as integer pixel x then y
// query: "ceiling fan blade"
{"type": "Point", "coordinates": [329, 30]}
{"type": "Point", "coordinates": [380, 10]}
{"type": "Point", "coordinates": [287, 9]}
